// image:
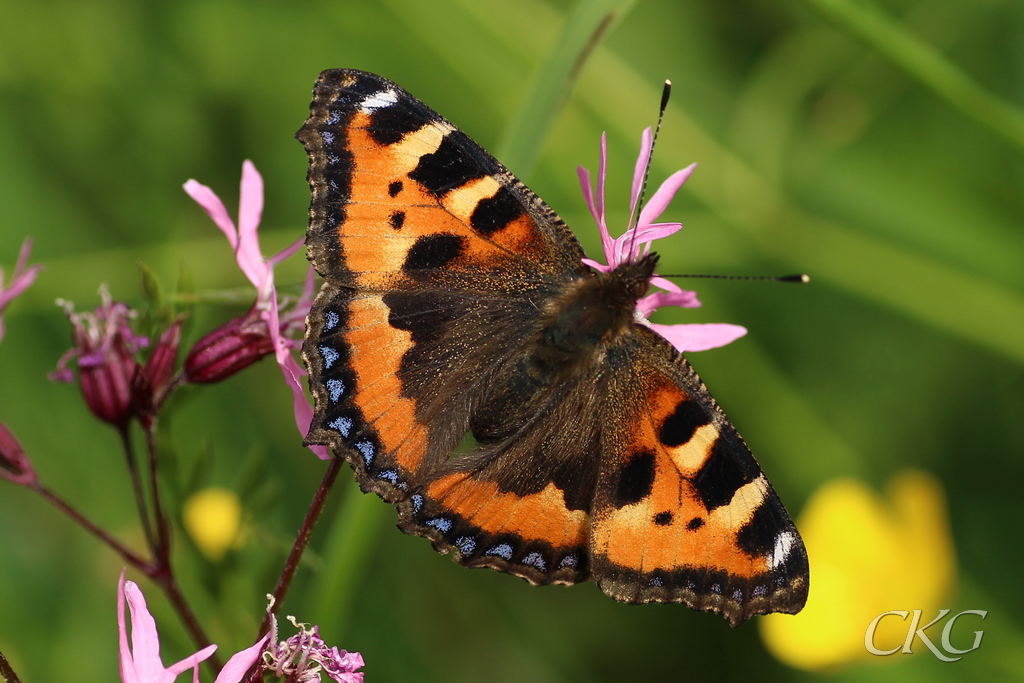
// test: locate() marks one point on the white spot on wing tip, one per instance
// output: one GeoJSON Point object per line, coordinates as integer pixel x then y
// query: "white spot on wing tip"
{"type": "Point", "coordinates": [783, 545]}
{"type": "Point", "coordinates": [378, 100]}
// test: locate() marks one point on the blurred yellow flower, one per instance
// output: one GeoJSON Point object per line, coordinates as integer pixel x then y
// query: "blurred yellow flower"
{"type": "Point", "coordinates": [867, 556]}
{"type": "Point", "coordinates": [213, 518]}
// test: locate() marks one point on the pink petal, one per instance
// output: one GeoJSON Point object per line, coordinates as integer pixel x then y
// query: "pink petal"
{"type": "Point", "coordinates": [602, 175]}
{"type": "Point", "coordinates": [595, 265]}
{"type": "Point", "coordinates": [22, 277]}
{"type": "Point", "coordinates": [214, 207]}
{"type": "Point", "coordinates": [699, 337]}
{"type": "Point", "coordinates": [646, 142]}
{"type": "Point", "coordinates": [26, 249]}
{"type": "Point", "coordinates": [190, 662]}
{"type": "Point", "coordinates": [240, 662]}
{"type": "Point", "coordinates": [670, 286]}
{"type": "Point", "coordinates": [250, 209]}
{"type": "Point", "coordinates": [660, 199]}
{"type": "Point", "coordinates": [682, 298]}
{"type": "Point", "coordinates": [588, 192]}
{"type": "Point", "coordinates": [309, 288]}
{"type": "Point", "coordinates": [288, 251]}
{"type": "Point", "coordinates": [301, 409]}
{"type": "Point", "coordinates": [625, 247]}
{"type": "Point", "coordinates": [145, 656]}
{"type": "Point", "coordinates": [19, 284]}
{"type": "Point", "coordinates": [125, 664]}
{"type": "Point", "coordinates": [656, 231]}
{"type": "Point", "coordinates": [596, 205]}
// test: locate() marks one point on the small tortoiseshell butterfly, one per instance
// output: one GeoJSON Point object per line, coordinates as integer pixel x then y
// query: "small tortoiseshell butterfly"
{"type": "Point", "coordinates": [456, 304]}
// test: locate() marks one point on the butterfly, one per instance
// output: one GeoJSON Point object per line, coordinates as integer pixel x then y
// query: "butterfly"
{"type": "Point", "coordinates": [477, 374]}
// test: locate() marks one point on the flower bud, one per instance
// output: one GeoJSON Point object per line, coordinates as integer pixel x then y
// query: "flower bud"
{"type": "Point", "coordinates": [160, 366]}
{"type": "Point", "coordinates": [228, 349]}
{"type": "Point", "coordinates": [151, 383]}
{"type": "Point", "coordinates": [14, 463]}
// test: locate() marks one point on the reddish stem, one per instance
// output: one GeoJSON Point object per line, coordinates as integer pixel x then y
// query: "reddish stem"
{"type": "Point", "coordinates": [163, 531]}
{"type": "Point", "coordinates": [140, 499]}
{"type": "Point", "coordinates": [129, 556]}
{"type": "Point", "coordinates": [302, 540]}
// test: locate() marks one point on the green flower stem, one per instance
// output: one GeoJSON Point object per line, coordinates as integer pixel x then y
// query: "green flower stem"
{"type": "Point", "coordinates": [924, 63]}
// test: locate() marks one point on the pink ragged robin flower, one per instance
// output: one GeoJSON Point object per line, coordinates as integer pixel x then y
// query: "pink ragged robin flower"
{"type": "Point", "coordinates": [636, 242]}
{"type": "Point", "coordinates": [140, 662]}
{"type": "Point", "coordinates": [105, 346]}
{"type": "Point", "coordinates": [23, 276]}
{"type": "Point", "coordinates": [241, 342]}
{"type": "Point", "coordinates": [304, 656]}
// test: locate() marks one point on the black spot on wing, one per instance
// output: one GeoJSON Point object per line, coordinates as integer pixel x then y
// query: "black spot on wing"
{"type": "Point", "coordinates": [394, 188]}
{"type": "Point", "coordinates": [757, 537]}
{"type": "Point", "coordinates": [494, 213]}
{"type": "Point", "coordinates": [678, 428]}
{"type": "Point", "coordinates": [663, 518]}
{"type": "Point", "coordinates": [726, 470]}
{"type": "Point", "coordinates": [389, 125]}
{"type": "Point", "coordinates": [426, 315]}
{"type": "Point", "coordinates": [635, 479]}
{"type": "Point", "coordinates": [434, 251]}
{"type": "Point", "coordinates": [449, 167]}
{"type": "Point", "coordinates": [695, 524]}
{"type": "Point", "coordinates": [397, 220]}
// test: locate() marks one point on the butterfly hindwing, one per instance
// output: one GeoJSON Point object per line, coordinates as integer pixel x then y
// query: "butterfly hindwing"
{"type": "Point", "coordinates": [520, 500]}
{"type": "Point", "coordinates": [683, 512]}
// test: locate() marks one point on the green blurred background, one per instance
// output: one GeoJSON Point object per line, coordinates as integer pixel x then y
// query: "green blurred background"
{"type": "Point", "coordinates": [818, 153]}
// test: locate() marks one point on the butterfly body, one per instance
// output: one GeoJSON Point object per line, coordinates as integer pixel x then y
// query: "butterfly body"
{"type": "Point", "coordinates": [456, 305]}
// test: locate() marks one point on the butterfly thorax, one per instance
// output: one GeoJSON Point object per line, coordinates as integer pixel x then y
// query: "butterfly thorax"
{"type": "Point", "coordinates": [591, 312]}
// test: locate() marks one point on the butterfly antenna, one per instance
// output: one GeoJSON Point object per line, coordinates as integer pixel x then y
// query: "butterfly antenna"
{"type": "Point", "coordinates": [665, 93]}
{"type": "Point", "coordinates": [801, 278]}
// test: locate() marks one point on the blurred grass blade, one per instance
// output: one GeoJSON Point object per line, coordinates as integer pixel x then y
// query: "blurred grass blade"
{"type": "Point", "coordinates": [346, 553]}
{"type": "Point", "coordinates": [924, 63]}
{"type": "Point", "coordinates": [584, 29]}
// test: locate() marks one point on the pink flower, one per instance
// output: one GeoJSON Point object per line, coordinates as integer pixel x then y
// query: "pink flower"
{"type": "Point", "coordinates": [260, 272]}
{"type": "Point", "coordinates": [303, 656]}
{"type": "Point", "coordinates": [140, 663]}
{"type": "Point", "coordinates": [637, 240]}
{"type": "Point", "coordinates": [105, 345]}
{"type": "Point", "coordinates": [20, 280]}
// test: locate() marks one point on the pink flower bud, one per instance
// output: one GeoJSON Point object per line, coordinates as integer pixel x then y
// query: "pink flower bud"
{"type": "Point", "coordinates": [151, 383]}
{"type": "Point", "coordinates": [14, 463]}
{"type": "Point", "coordinates": [228, 349]}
